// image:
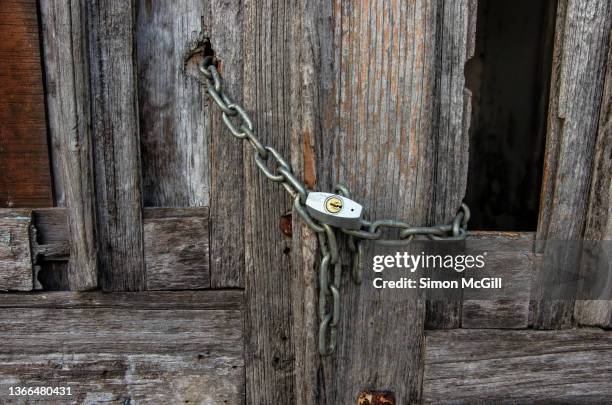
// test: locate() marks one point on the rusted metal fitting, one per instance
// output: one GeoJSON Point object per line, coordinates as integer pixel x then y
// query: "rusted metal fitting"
{"type": "Point", "coordinates": [376, 398]}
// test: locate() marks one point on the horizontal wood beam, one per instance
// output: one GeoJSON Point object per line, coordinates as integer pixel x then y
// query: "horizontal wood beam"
{"type": "Point", "coordinates": [146, 300]}
{"type": "Point", "coordinates": [158, 348]}
{"type": "Point", "coordinates": [491, 366]}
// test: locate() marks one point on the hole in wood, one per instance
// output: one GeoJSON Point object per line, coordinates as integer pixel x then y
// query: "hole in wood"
{"type": "Point", "coordinates": [509, 78]}
{"type": "Point", "coordinates": [197, 52]}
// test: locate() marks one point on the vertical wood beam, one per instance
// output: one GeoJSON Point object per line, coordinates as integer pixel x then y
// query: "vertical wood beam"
{"type": "Point", "coordinates": [175, 122]}
{"type": "Point", "coordinates": [68, 106]}
{"type": "Point", "coordinates": [268, 57]}
{"type": "Point", "coordinates": [579, 62]}
{"type": "Point", "coordinates": [599, 215]}
{"type": "Point", "coordinates": [227, 251]}
{"type": "Point", "coordinates": [455, 41]}
{"type": "Point", "coordinates": [116, 145]}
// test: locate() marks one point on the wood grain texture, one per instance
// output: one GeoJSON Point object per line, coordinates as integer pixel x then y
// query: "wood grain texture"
{"type": "Point", "coordinates": [16, 272]}
{"type": "Point", "coordinates": [116, 145]}
{"type": "Point", "coordinates": [455, 43]}
{"type": "Point", "coordinates": [579, 68]}
{"type": "Point", "coordinates": [141, 300]}
{"type": "Point", "coordinates": [174, 121]}
{"type": "Point", "coordinates": [383, 107]}
{"type": "Point", "coordinates": [310, 84]}
{"type": "Point", "coordinates": [68, 105]}
{"type": "Point", "coordinates": [23, 134]}
{"type": "Point", "coordinates": [189, 157]}
{"type": "Point", "coordinates": [269, 56]}
{"type": "Point", "coordinates": [509, 256]}
{"type": "Point", "coordinates": [502, 366]}
{"type": "Point", "coordinates": [177, 249]}
{"type": "Point", "coordinates": [599, 215]}
{"type": "Point", "coordinates": [227, 212]}
{"type": "Point", "coordinates": [152, 353]}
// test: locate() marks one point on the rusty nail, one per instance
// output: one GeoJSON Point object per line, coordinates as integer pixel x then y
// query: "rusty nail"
{"type": "Point", "coordinates": [285, 224]}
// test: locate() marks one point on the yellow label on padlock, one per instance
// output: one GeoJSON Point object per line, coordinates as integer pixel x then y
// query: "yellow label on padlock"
{"type": "Point", "coordinates": [333, 205]}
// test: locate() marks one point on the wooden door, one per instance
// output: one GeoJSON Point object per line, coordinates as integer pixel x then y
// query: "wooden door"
{"type": "Point", "coordinates": [167, 269]}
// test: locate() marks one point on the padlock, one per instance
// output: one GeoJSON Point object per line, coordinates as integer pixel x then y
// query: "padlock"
{"type": "Point", "coordinates": [334, 210]}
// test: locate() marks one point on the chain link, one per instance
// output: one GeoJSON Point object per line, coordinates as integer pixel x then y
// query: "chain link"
{"type": "Point", "coordinates": [240, 125]}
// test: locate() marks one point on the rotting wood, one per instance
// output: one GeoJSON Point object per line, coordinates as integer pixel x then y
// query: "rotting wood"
{"type": "Point", "coordinates": [177, 248]}
{"type": "Point", "coordinates": [599, 215]}
{"type": "Point", "coordinates": [504, 366]}
{"type": "Point", "coordinates": [68, 106]}
{"type": "Point", "coordinates": [22, 110]}
{"type": "Point", "coordinates": [15, 252]}
{"type": "Point", "coordinates": [156, 349]}
{"type": "Point", "coordinates": [579, 64]}
{"type": "Point", "coordinates": [116, 145]}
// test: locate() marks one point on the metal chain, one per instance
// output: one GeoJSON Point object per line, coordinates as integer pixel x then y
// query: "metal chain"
{"type": "Point", "coordinates": [237, 120]}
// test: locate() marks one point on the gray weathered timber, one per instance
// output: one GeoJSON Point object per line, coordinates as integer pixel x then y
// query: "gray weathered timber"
{"type": "Point", "coordinates": [503, 366]}
{"type": "Point", "coordinates": [310, 83]}
{"type": "Point", "coordinates": [189, 157]}
{"type": "Point", "coordinates": [68, 107]}
{"type": "Point", "coordinates": [177, 248]}
{"type": "Point", "coordinates": [511, 257]}
{"type": "Point", "coordinates": [156, 351]}
{"type": "Point", "coordinates": [269, 52]}
{"type": "Point", "coordinates": [380, 112]}
{"type": "Point", "coordinates": [15, 252]}
{"type": "Point", "coordinates": [116, 145]}
{"type": "Point", "coordinates": [455, 44]}
{"type": "Point", "coordinates": [174, 123]}
{"type": "Point", "coordinates": [579, 68]}
{"type": "Point", "coordinates": [141, 300]}
{"type": "Point", "coordinates": [176, 242]}
{"type": "Point", "coordinates": [599, 215]}
{"type": "Point", "coordinates": [227, 199]}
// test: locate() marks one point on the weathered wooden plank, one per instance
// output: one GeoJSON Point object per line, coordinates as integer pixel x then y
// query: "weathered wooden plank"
{"type": "Point", "coordinates": [510, 256]}
{"type": "Point", "coordinates": [368, 82]}
{"type": "Point", "coordinates": [174, 121]}
{"type": "Point", "coordinates": [157, 300]}
{"type": "Point", "coordinates": [116, 145]}
{"type": "Point", "coordinates": [177, 249]}
{"type": "Point", "coordinates": [599, 215]}
{"type": "Point", "coordinates": [227, 256]}
{"type": "Point", "coordinates": [23, 134]}
{"type": "Point", "coordinates": [269, 55]}
{"type": "Point", "coordinates": [579, 63]}
{"type": "Point", "coordinates": [176, 244]}
{"type": "Point", "coordinates": [310, 83]}
{"type": "Point", "coordinates": [15, 252]}
{"type": "Point", "coordinates": [502, 366]}
{"type": "Point", "coordinates": [453, 101]}
{"type": "Point", "coordinates": [153, 355]}
{"type": "Point", "coordinates": [68, 106]}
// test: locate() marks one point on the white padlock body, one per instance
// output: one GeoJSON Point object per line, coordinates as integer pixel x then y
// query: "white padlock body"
{"type": "Point", "coordinates": [334, 210]}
